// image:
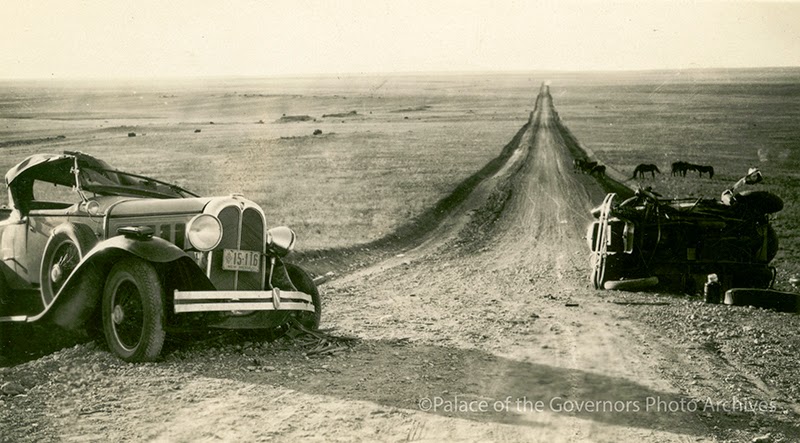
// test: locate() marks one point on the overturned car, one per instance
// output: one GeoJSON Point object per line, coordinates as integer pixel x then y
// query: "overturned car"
{"type": "Point", "coordinates": [85, 246]}
{"type": "Point", "coordinates": [647, 240]}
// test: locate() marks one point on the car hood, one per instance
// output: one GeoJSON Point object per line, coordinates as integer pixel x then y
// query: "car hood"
{"type": "Point", "coordinates": [148, 206]}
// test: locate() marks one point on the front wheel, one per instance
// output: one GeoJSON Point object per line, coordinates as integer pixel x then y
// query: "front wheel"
{"type": "Point", "coordinates": [304, 283]}
{"type": "Point", "coordinates": [133, 311]}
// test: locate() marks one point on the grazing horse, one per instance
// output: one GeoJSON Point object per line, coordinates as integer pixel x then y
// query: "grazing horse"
{"type": "Point", "coordinates": [645, 167]}
{"type": "Point", "coordinates": [680, 168]}
{"type": "Point", "coordinates": [588, 166]}
{"type": "Point", "coordinates": [600, 170]}
{"type": "Point", "coordinates": [704, 169]}
{"type": "Point", "coordinates": [577, 164]}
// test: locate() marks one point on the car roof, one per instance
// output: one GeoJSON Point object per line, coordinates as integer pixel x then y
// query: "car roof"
{"type": "Point", "coordinates": [44, 164]}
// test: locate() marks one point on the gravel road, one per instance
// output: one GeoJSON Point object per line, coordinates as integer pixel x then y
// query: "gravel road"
{"type": "Point", "coordinates": [486, 329]}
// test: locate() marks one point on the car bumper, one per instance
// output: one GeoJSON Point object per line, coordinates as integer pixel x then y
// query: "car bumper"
{"type": "Point", "coordinates": [243, 301]}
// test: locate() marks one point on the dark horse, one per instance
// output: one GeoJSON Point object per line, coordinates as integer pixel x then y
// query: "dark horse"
{"type": "Point", "coordinates": [704, 169]}
{"type": "Point", "coordinates": [680, 168]}
{"type": "Point", "coordinates": [582, 165]}
{"type": "Point", "coordinates": [645, 167]}
{"type": "Point", "coordinates": [599, 170]}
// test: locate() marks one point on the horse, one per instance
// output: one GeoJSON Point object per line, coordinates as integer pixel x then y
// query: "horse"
{"type": "Point", "coordinates": [583, 165]}
{"type": "Point", "coordinates": [600, 170]}
{"type": "Point", "coordinates": [680, 168]}
{"type": "Point", "coordinates": [704, 169]}
{"type": "Point", "coordinates": [645, 167]}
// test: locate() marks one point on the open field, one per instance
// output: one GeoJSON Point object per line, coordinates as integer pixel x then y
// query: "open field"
{"type": "Point", "coordinates": [411, 139]}
{"type": "Point", "coordinates": [409, 143]}
{"type": "Point", "coordinates": [492, 305]}
{"type": "Point", "coordinates": [731, 120]}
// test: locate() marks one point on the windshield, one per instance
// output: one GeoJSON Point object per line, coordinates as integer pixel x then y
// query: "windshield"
{"type": "Point", "coordinates": [109, 182]}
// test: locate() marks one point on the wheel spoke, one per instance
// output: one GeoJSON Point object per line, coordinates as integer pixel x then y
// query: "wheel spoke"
{"type": "Point", "coordinates": [128, 326]}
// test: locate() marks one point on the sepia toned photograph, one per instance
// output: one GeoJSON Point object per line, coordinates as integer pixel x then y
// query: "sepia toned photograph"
{"type": "Point", "coordinates": [400, 221]}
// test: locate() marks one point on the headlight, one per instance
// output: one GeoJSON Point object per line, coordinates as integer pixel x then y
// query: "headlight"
{"type": "Point", "coordinates": [204, 232]}
{"type": "Point", "coordinates": [281, 240]}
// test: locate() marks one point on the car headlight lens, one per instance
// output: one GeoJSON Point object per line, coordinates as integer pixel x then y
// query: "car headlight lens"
{"type": "Point", "coordinates": [204, 232]}
{"type": "Point", "coordinates": [281, 240]}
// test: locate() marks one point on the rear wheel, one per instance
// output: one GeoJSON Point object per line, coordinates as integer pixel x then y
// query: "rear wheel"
{"type": "Point", "coordinates": [63, 252]}
{"type": "Point", "coordinates": [764, 298]}
{"type": "Point", "coordinates": [133, 311]}
{"type": "Point", "coordinates": [633, 284]}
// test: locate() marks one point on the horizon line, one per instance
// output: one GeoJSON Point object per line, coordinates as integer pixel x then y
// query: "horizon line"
{"type": "Point", "coordinates": [393, 73]}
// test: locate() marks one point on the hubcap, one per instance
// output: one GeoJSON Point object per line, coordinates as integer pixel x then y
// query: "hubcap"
{"type": "Point", "coordinates": [127, 315]}
{"type": "Point", "coordinates": [118, 315]}
{"type": "Point", "coordinates": [65, 259]}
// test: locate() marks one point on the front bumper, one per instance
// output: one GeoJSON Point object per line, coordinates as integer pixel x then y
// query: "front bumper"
{"type": "Point", "coordinates": [220, 301]}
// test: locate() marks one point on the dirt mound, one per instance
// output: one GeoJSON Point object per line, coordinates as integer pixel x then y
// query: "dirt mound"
{"type": "Point", "coordinates": [294, 118]}
{"type": "Point", "coordinates": [340, 115]}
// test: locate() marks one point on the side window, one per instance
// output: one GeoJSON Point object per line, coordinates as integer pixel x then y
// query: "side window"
{"type": "Point", "coordinates": [50, 192]}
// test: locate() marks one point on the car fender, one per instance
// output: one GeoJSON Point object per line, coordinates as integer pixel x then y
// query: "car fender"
{"type": "Point", "coordinates": [80, 235]}
{"type": "Point", "coordinates": [77, 301]}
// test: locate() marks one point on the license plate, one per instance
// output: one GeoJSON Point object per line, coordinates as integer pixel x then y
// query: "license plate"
{"type": "Point", "coordinates": [239, 260]}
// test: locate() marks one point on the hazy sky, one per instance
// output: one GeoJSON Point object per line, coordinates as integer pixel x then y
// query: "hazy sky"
{"type": "Point", "coordinates": [115, 38]}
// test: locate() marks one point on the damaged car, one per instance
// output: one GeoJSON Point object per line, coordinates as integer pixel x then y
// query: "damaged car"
{"type": "Point", "coordinates": [647, 240]}
{"type": "Point", "coordinates": [86, 246]}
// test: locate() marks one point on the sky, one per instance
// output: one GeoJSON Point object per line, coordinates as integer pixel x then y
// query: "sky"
{"type": "Point", "coordinates": [179, 38]}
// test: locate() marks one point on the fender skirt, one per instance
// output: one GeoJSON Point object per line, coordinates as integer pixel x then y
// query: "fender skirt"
{"type": "Point", "coordinates": [79, 298]}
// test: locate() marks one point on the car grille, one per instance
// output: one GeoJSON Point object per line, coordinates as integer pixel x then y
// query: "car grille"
{"type": "Point", "coordinates": [241, 229]}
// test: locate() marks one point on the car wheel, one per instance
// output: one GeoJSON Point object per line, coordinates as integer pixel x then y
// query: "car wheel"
{"type": "Point", "coordinates": [62, 255]}
{"type": "Point", "coordinates": [633, 284]}
{"type": "Point", "coordinates": [772, 243]}
{"type": "Point", "coordinates": [133, 311]}
{"type": "Point", "coordinates": [304, 283]}
{"type": "Point", "coordinates": [764, 298]}
{"type": "Point", "coordinates": [762, 202]}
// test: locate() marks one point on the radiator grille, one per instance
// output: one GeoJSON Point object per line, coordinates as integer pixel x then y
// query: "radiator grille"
{"type": "Point", "coordinates": [240, 230]}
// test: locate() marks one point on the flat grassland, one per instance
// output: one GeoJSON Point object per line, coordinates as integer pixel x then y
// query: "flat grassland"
{"type": "Point", "coordinates": [391, 146]}
{"type": "Point", "coordinates": [729, 119]}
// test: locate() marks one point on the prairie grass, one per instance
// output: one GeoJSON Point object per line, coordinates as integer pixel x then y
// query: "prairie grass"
{"type": "Point", "coordinates": [731, 120]}
{"type": "Point", "coordinates": [412, 138]}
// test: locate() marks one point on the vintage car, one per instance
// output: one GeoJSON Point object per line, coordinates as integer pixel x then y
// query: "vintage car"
{"type": "Point", "coordinates": [85, 246]}
{"type": "Point", "coordinates": [647, 240]}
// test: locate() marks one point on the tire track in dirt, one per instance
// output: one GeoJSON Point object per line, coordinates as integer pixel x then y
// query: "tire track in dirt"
{"type": "Point", "coordinates": [526, 260]}
{"type": "Point", "coordinates": [494, 305]}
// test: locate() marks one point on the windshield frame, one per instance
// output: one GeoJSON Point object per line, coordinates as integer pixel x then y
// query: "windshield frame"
{"type": "Point", "coordinates": [130, 190]}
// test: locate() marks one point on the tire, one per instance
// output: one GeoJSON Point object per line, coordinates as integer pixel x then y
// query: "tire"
{"type": "Point", "coordinates": [762, 202]}
{"type": "Point", "coordinates": [62, 254]}
{"type": "Point", "coordinates": [133, 311]}
{"type": "Point", "coordinates": [304, 283]}
{"type": "Point", "coordinates": [764, 298]}
{"type": "Point", "coordinates": [633, 284]}
{"type": "Point", "coordinates": [772, 243]}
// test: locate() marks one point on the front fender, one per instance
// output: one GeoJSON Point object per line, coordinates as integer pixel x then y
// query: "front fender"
{"type": "Point", "coordinates": [79, 297]}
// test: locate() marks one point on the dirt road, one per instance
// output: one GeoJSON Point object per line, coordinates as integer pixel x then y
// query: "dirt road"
{"type": "Point", "coordinates": [486, 330]}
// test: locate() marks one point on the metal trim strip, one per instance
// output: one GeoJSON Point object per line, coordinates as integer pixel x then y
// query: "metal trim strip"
{"type": "Point", "coordinates": [238, 295]}
{"type": "Point", "coordinates": [239, 306]}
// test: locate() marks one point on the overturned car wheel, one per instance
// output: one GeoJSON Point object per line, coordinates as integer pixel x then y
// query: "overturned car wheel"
{"type": "Point", "coordinates": [632, 284]}
{"type": "Point", "coordinates": [133, 311]}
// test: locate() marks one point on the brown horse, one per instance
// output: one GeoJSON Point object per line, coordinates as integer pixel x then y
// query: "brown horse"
{"type": "Point", "coordinates": [704, 169]}
{"type": "Point", "coordinates": [680, 168]}
{"type": "Point", "coordinates": [645, 167]}
{"type": "Point", "coordinates": [600, 170]}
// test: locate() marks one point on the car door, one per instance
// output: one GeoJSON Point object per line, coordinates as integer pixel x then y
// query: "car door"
{"type": "Point", "coordinates": [13, 237]}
